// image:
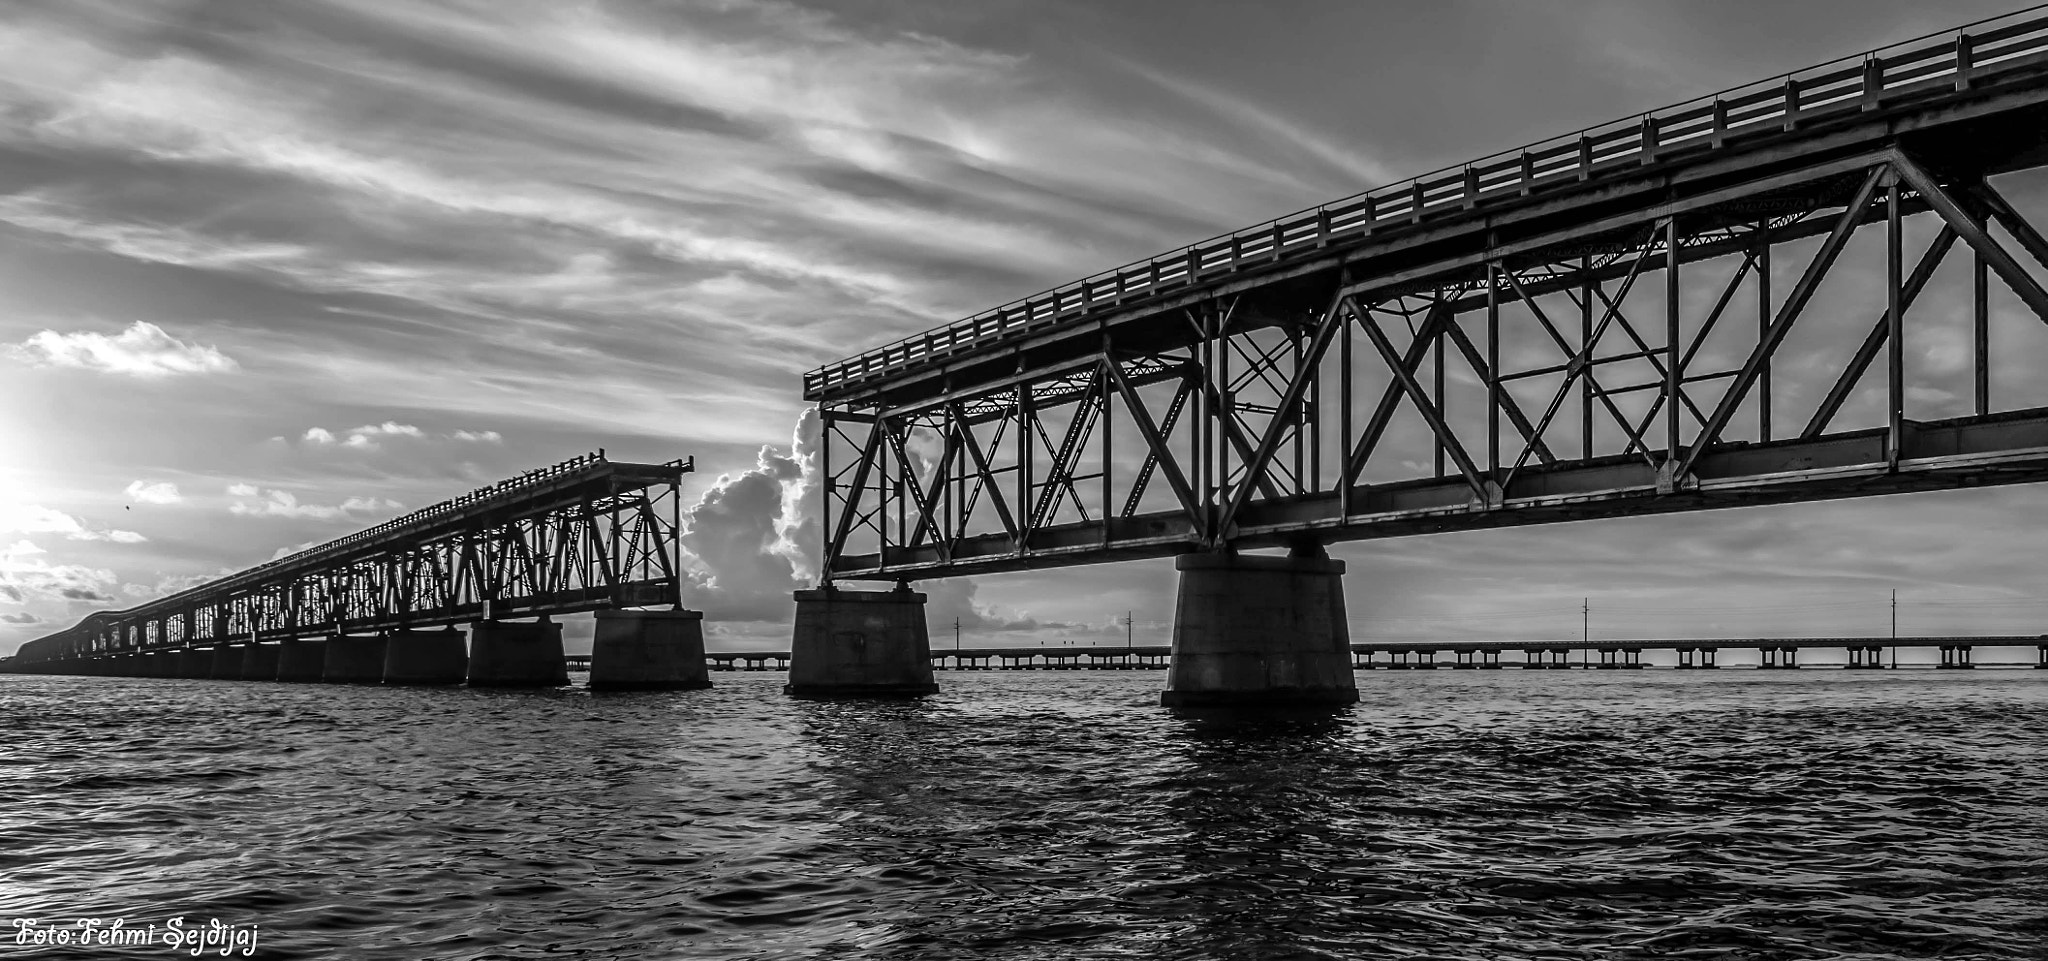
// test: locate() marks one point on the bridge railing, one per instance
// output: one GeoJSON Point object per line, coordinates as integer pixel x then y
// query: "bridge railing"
{"type": "Point", "coordinates": [1949, 59]}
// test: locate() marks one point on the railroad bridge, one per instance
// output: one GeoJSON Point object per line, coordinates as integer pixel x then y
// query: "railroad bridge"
{"type": "Point", "coordinates": [1595, 325]}
{"type": "Point", "coordinates": [382, 605]}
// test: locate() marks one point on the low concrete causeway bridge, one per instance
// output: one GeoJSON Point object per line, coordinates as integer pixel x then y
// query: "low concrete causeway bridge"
{"type": "Point", "coordinates": [1591, 326]}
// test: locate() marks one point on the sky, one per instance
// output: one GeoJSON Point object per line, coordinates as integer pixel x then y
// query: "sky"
{"type": "Point", "coordinates": [271, 272]}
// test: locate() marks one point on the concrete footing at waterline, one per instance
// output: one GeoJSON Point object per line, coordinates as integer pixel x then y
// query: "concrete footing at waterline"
{"type": "Point", "coordinates": [301, 661]}
{"type": "Point", "coordinates": [517, 654]}
{"type": "Point", "coordinates": [860, 644]}
{"type": "Point", "coordinates": [1257, 630]}
{"type": "Point", "coordinates": [425, 657]}
{"type": "Point", "coordinates": [648, 651]}
{"type": "Point", "coordinates": [259, 662]}
{"type": "Point", "coordinates": [354, 659]}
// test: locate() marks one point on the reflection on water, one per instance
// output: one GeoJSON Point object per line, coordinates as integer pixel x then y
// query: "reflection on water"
{"type": "Point", "coordinates": [1448, 815]}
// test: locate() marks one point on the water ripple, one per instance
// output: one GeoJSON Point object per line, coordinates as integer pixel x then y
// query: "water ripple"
{"type": "Point", "coordinates": [1024, 816]}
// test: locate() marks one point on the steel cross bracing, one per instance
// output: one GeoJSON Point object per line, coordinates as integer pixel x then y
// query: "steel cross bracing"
{"type": "Point", "coordinates": [1617, 348]}
{"type": "Point", "coordinates": [585, 534]}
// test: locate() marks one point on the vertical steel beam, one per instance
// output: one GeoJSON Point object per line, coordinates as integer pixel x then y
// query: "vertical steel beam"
{"type": "Point", "coordinates": [1586, 349]}
{"type": "Point", "coordinates": [1674, 382]}
{"type": "Point", "coordinates": [1763, 329]}
{"type": "Point", "coordinates": [1492, 370]}
{"type": "Point", "coordinates": [1437, 348]}
{"type": "Point", "coordinates": [1343, 415]}
{"type": "Point", "coordinates": [1895, 319]}
{"type": "Point", "coordinates": [1980, 324]}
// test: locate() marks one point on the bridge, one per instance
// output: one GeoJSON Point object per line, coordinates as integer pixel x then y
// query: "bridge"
{"type": "Point", "coordinates": [588, 534]}
{"type": "Point", "coordinates": [1590, 326]}
{"type": "Point", "coordinates": [1953, 651]}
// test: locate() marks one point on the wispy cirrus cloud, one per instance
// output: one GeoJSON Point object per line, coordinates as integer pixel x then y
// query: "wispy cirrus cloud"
{"type": "Point", "coordinates": [272, 502]}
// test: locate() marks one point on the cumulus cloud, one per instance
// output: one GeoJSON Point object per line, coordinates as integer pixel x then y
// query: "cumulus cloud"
{"type": "Point", "coordinates": [25, 576]}
{"type": "Point", "coordinates": [143, 350]}
{"type": "Point", "coordinates": [363, 437]}
{"type": "Point", "coordinates": [271, 502]}
{"type": "Point", "coordinates": [22, 617]}
{"type": "Point", "coordinates": [479, 436]}
{"type": "Point", "coordinates": [746, 536]}
{"type": "Point", "coordinates": [161, 492]}
{"type": "Point", "coordinates": [37, 519]}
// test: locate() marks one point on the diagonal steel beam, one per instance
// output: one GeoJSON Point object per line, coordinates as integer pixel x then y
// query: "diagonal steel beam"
{"type": "Point", "coordinates": [1305, 372]}
{"type": "Point", "coordinates": [837, 545]}
{"type": "Point", "coordinates": [1875, 340]}
{"type": "Point", "coordinates": [2030, 240]}
{"type": "Point", "coordinates": [1788, 312]}
{"type": "Point", "coordinates": [1143, 479]}
{"type": "Point", "coordinates": [1420, 398]}
{"type": "Point", "coordinates": [1582, 356]}
{"type": "Point", "coordinates": [984, 478]}
{"type": "Point", "coordinates": [1157, 444]}
{"type": "Point", "coordinates": [1383, 413]}
{"type": "Point", "coordinates": [1974, 234]}
{"type": "Point", "coordinates": [917, 493]}
{"type": "Point", "coordinates": [1532, 438]}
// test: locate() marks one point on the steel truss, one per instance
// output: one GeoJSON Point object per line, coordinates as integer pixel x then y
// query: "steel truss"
{"type": "Point", "coordinates": [1593, 367]}
{"type": "Point", "coordinates": [582, 535]}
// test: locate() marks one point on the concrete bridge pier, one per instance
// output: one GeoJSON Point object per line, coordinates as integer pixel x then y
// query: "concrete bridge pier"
{"type": "Point", "coordinates": [301, 660]}
{"type": "Point", "coordinates": [259, 662]}
{"type": "Point", "coordinates": [425, 657]}
{"type": "Point", "coordinates": [648, 651]}
{"type": "Point", "coordinates": [195, 663]}
{"type": "Point", "coordinates": [860, 644]}
{"type": "Point", "coordinates": [517, 654]}
{"type": "Point", "coordinates": [227, 663]}
{"type": "Point", "coordinates": [353, 659]}
{"type": "Point", "coordinates": [1260, 630]}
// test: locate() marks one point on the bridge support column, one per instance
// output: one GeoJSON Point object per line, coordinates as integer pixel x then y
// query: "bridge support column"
{"type": "Point", "coordinates": [195, 663]}
{"type": "Point", "coordinates": [259, 662]}
{"type": "Point", "coordinates": [648, 651]}
{"type": "Point", "coordinates": [517, 654]}
{"type": "Point", "coordinates": [860, 644]}
{"type": "Point", "coordinates": [353, 659]}
{"type": "Point", "coordinates": [1251, 629]}
{"type": "Point", "coordinates": [299, 659]}
{"type": "Point", "coordinates": [227, 663]}
{"type": "Point", "coordinates": [425, 657]}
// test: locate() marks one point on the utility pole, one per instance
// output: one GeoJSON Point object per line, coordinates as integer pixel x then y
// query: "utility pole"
{"type": "Point", "coordinates": [956, 634]}
{"type": "Point", "coordinates": [1130, 632]}
{"type": "Point", "coordinates": [1895, 628]}
{"type": "Point", "coordinates": [1586, 619]}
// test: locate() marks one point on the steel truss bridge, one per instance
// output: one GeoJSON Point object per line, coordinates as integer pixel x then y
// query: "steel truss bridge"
{"type": "Point", "coordinates": [586, 534]}
{"type": "Point", "coordinates": [1673, 312]}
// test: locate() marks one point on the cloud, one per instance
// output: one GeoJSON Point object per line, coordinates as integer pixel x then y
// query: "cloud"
{"type": "Point", "coordinates": [143, 350]}
{"type": "Point", "coordinates": [25, 576]}
{"type": "Point", "coordinates": [36, 519]}
{"type": "Point", "coordinates": [479, 436]}
{"type": "Point", "coordinates": [361, 438]}
{"type": "Point", "coordinates": [271, 502]}
{"type": "Point", "coordinates": [22, 617]}
{"type": "Point", "coordinates": [161, 492]}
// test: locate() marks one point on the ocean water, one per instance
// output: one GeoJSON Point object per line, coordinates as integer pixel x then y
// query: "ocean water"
{"type": "Point", "coordinates": [1450, 815]}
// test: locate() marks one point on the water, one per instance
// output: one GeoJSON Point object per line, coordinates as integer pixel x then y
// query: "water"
{"type": "Point", "coordinates": [1483, 815]}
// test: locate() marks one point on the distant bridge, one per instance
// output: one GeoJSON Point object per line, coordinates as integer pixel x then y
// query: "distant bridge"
{"type": "Point", "coordinates": [586, 534]}
{"type": "Point", "coordinates": [1774, 652]}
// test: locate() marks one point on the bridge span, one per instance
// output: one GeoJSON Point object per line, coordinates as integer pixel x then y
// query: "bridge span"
{"type": "Point", "coordinates": [381, 605]}
{"type": "Point", "coordinates": [1591, 326]}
